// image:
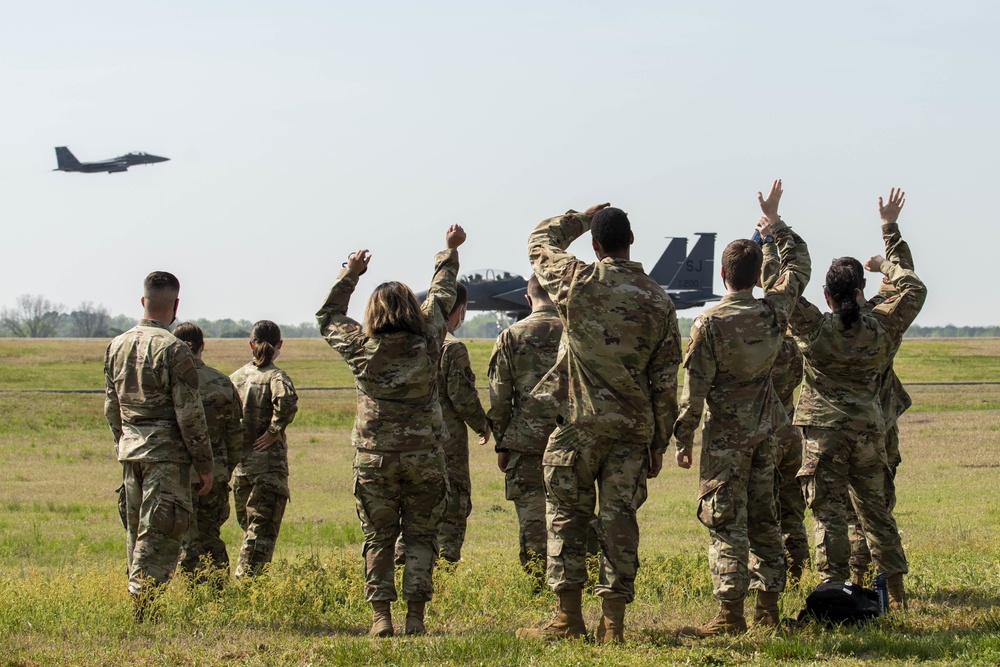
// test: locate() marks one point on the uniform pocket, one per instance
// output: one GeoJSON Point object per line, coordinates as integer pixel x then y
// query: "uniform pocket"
{"type": "Point", "coordinates": [513, 480]}
{"type": "Point", "coordinates": [715, 500]}
{"type": "Point", "coordinates": [170, 518]}
{"type": "Point", "coordinates": [560, 475]}
{"type": "Point", "coordinates": [807, 480]}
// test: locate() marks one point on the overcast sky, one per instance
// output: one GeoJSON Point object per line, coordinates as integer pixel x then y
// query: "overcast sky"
{"type": "Point", "coordinates": [299, 131]}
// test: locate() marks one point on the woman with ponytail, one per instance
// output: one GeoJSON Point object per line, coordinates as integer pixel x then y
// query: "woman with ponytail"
{"type": "Point", "coordinates": [845, 354]}
{"type": "Point", "coordinates": [260, 483]}
{"type": "Point", "coordinates": [400, 482]}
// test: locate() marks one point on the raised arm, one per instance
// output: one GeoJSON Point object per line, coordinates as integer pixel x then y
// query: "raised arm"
{"type": "Point", "coordinates": [805, 318]}
{"type": "Point", "coordinates": [897, 250]}
{"type": "Point", "coordinates": [342, 333]}
{"type": "Point", "coordinates": [699, 374]}
{"type": "Point", "coordinates": [795, 269]}
{"type": "Point", "coordinates": [442, 293]}
{"type": "Point", "coordinates": [897, 312]}
{"type": "Point", "coordinates": [547, 246]}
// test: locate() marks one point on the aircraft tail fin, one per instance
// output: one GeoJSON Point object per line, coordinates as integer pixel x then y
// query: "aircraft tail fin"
{"type": "Point", "coordinates": [65, 159]}
{"type": "Point", "coordinates": [670, 261]}
{"type": "Point", "coordinates": [696, 272]}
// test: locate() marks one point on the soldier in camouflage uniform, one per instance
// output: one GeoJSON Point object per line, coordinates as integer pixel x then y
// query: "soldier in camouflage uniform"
{"type": "Point", "coordinates": [728, 366]}
{"type": "Point", "coordinates": [203, 545]}
{"type": "Point", "coordinates": [521, 423]}
{"type": "Point", "coordinates": [615, 379]}
{"type": "Point", "coordinates": [260, 481]}
{"type": "Point", "coordinates": [895, 401]}
{"type": "Point", "coordinates": [156, 417]}
{"type": "Point", "coordinates": [786, 376]}
{"type": "Point", "coordinates": [846, 354]}
{"type": "Point", "coordinates": [459, 406]}
{"type": "Point", "coordinates": [400, 478]}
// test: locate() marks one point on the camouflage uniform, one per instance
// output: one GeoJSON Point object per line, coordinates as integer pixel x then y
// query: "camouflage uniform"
{"type": "Point", "coordinates": [843, 422]}
{"type": "Point", "coordinates": [522, 355]}
{"type": "Point", "coordinates": [222, 413]}
{"type": "Point", "coordinates": [400, 478]}
{"type": "Point", "coordinates": [260, 481]}
{"type": "Point", "coordinates": [152, 406]}
{"type": "Point", "coordinates": [615, 378]}
{"type": "Point", "coordinates": [786, 376]}
{"type": "Point", "coordinates": [895, 401]}
{"type": "Point", "coordinates": [459, 406]}
{"type": "Point", "coordinates": [729, 365]}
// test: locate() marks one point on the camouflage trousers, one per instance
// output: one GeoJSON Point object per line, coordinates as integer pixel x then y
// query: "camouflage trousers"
{"type": "Point", "coordinates": [155, 502]}
{"type": "Point", "coordinates": [788, 492]}
{"type": "Point", "coordinates": [861, 555]}
{"type": "Point", "coordinates": [525, 487]}
{"type": "Point", "coordinates": [583, 471]}
{"type": "Point", "coordinates": [736, 503]}
{"type": "Point", "coordinates": [203, 540]}
{"type": "Point", "coordinates": [841, 467]}
{"type": "Point", "coordinates": [260, 501]}
{"type": "Point", "coordinates": [400, 494]}
{"type": "Point", "coordinates": [451, 533]}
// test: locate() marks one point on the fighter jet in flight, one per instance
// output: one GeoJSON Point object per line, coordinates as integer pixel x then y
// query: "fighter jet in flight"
{"type": "Point", "coordinates": [687, 279]}
{"type": "Point", "coordinates": [68, 162]}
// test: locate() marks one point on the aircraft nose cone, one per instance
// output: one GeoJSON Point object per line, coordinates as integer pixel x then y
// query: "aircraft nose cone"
{"type": "Point", "coordinates": [157, 158]}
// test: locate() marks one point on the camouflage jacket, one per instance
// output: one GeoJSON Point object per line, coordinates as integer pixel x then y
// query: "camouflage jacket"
{"type": "Point", "coordinates": [522, 355]}
{"type": "Point", "coordinates": [396, 373]}
{"type": "Point", "coordinates": [269, 405]}
{"type": "Point", "coordinates": [616, 371]}
{"type": "Point", "coordinates": [223, 413]}
{"type": "Point", "coordinates": [151, 398]}
{"type": "Point", "coordinates": [893, 396]}
{"type": "Point", "coordinates": [844, 367]}
{"type": "Point", "coordinates": [458, 396]}
{"type": "Point", "coordinates": [787, 373]}
{"type": "Point", "coordinates": [732, 350]}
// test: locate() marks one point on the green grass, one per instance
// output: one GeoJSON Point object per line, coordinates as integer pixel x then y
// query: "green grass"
{"type": "Point", "coordinates": [62, 583]}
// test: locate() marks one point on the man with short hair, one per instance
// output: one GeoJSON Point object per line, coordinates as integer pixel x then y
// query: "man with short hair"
{"type": "Point", "coordinates": [158, 423]}
{"type": "Point", "coordinates": [459, 406]}
{"type": "Point", "coordinates": [728, 366]}
{"type": "Point", "coordinates": [521, 422]}
{"type": "Point", "coordinates": [615, 380]}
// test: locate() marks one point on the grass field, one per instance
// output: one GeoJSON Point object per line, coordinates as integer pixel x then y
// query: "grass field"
{"type": "Point", "coordinates": [62, 582]}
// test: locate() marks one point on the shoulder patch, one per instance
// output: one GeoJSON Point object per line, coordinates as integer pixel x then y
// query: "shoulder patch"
{"type": "Point", "coordinates": [187, 372]}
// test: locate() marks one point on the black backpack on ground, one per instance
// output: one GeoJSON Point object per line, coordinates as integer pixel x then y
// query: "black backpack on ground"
{"type": "Point", "coordinates": [841, 602]}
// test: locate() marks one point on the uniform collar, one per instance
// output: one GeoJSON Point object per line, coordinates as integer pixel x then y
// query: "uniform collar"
{"type": "Point", "coordinates": [730, 297]}
{"type": "Point", "coordinates": [624, 263]}
{"type": "Point", "coordinates": [545, 310]}
{"type": "Point", "coordinates": [153, 323]}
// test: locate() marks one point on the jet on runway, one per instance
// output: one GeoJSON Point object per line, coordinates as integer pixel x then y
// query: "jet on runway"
{"type": "Point", "coordinates": [68, 162]}
{"type": "Point", "coordinates": [687, 279]}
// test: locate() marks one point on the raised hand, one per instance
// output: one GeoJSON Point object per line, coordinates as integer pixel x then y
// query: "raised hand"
{"type": "Point", "coordinates": [455, 236]}
{"type": "Point", "coordinates": [874, 263]}
{"type": "Point", "coordinates": [890, 212]}
{"type": "Point", "coordinates": [357, 262]}
{"type": "Point", "coordinates": [595, 208]}
{"type": "Point", "coordinates": [769, 206]}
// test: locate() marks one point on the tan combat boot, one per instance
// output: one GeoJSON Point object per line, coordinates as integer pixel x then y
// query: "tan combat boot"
{"type": "Point", "coordinates": [897, 594]}
{"type": "Point", "coordinates": [567, 623]}
{"type": "Point", "coordinates": [729, 621]}
{"type": "Point", "coordinates": [415, 618]}
{"type": "Point", "coordinates": [611, 629]}
{"type": "Point", "coordinates": [765, 612]}
{"type": "Point", "coordinates": [381, 619]}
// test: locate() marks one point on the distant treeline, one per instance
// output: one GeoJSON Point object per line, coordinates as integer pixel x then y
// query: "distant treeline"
{"type": "Point", "coordinates": [36, 317]}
